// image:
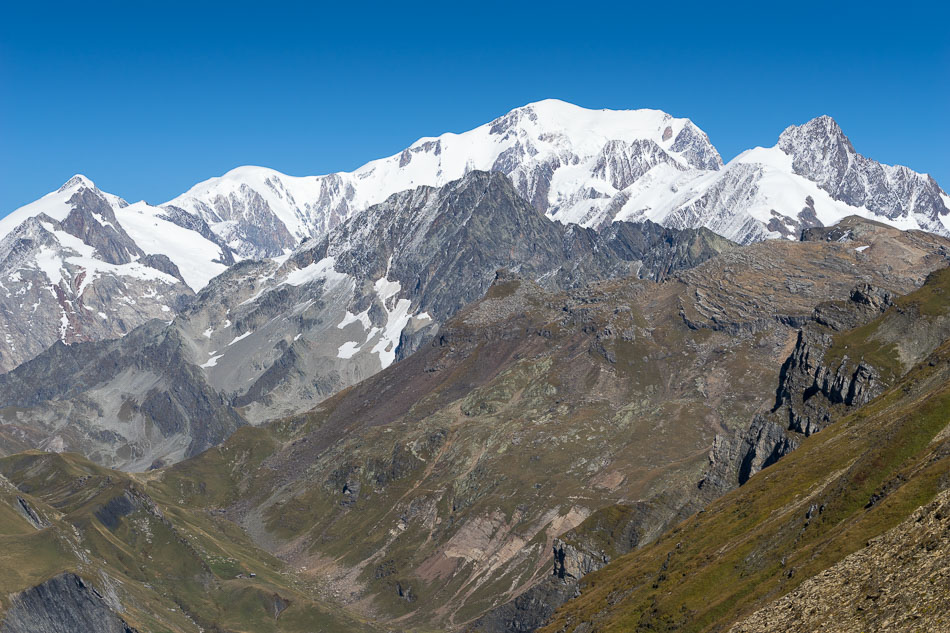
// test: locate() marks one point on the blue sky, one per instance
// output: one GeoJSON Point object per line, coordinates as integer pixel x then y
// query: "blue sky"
{"type": "Point", "coordinates": [149, 98]}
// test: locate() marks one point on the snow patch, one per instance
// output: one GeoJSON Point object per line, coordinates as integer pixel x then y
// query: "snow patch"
{"type": "Point", "coordinates": [211, 362]}
{"type": "Point", "coordinates": [239, 338]}
{"type": "Point", "coordinates": [187, 249]}
{"type": "Point", "coordinates": [50, 263]}
{"type": "Point", "coordinates": [322, 269]}
{"type": "Point", "coordinates": [348, 349]}
{"type": "Point", "coordinates": [362, 317]}
{"type": "Point", "coordinates": [397, 317]}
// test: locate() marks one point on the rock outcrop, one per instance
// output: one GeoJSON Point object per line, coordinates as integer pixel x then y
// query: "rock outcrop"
{"type": "Point", "coordinates": [79, 276]}
{"type": "Point", "coordinates": [846, 355]}
{"type": "Point", "coordinates": [63, 604]}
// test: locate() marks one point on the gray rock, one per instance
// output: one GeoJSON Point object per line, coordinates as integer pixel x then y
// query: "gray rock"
{"type": "Point", "coordinates": [63, 604]}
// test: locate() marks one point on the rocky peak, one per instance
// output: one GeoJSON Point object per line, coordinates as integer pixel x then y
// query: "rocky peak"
{"type": "Point", "coordinates": [76, 182]}
{"type": "Point", "coordinates": [822, 153]}
{"type": "Point", "coordinates": [695, 146]}
{"type": "Point", "coordinates": [93, 221]}
{"type": "Point", "coordinates": [821, 133]}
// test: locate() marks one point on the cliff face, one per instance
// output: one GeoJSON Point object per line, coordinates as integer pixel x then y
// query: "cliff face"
{"type": "Point", "coordinates": [63, 604]}
{"type": "Point", "coordinates": [846, 533]}
{"type": "Point", "coordinates": [814, 387]}
{"type": "Point", "coordinates": [846, 355]}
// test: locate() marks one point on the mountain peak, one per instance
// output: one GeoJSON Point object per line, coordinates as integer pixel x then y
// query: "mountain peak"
{"type": "Point", "coordinates": [822, 132]}
{"type": "Point", "coordinates": [78, 181]}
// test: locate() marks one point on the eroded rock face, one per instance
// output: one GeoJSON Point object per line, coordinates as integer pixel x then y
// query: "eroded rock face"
{"type": "Point", "coordinates": [846, 355]}
{"type": "Point", "coordinates": [125, 402]}
{"type": "Point", "coordinates": [574, 563]}
{"type": "Point", "coordinates": [63, 604]}
{"type": "Point", "coordinates": [810, 394]}
{"type": "Point", "coordinates": [529, 611]}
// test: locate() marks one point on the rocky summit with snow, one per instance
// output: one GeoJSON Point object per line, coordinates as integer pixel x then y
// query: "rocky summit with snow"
{"type": "Point", "coordinates": [81, 264]}
{"type": "Point", "coordinates": [269, 338]}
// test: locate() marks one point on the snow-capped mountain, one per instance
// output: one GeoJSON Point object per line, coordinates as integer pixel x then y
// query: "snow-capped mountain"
{"type": "Point", "coordinates": [279, 337]}
{"type": "Point", "coordinates": [80, 264]}
{"type": "Point", "coordinates": [592, 167]}
{"type": "Point", "coordinates": [812, 177]}
{"type": "Point", "coordinates": [589, 167]}
{"type": "Point", "coordinates": [567, 161]}
{"type": "Point", "coordinates": [269, 338]}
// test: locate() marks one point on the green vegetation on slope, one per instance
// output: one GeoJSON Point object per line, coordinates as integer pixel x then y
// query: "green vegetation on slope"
{"type": "Point", "coordinates": [172, 568]}
{"type": "Point", "coordinates": [842, 487]}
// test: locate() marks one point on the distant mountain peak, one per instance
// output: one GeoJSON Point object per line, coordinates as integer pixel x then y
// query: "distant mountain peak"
{"type": "Point", "coordinates": [76, 182]}
{"type": "Point", "coordinates": [822, 133]}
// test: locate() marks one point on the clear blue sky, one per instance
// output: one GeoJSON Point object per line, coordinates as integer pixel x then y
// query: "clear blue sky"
{"type": "Point", "coordinates": [148, 98]}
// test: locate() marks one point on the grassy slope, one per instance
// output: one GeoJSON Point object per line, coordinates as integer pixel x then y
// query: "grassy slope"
{"type": "Point", "coordinates": [794, 519]}
{"type": "Point", "coordinates": [518, 449]}
{"type": "Point", "coordinates": [915, 324]}
{"type": "Point", "coordinates": [173, 569]}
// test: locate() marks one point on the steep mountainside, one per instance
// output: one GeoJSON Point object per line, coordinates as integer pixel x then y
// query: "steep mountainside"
{"type": "Point", "coordinates": [904, 573]}
{"type": "Point", "coordinates": [592, 167]}
{"type": "Point", "coordinates": [88, 549]}
{"type": "Point", "coordinates": [275, 339]}
{"type": "Point", "coordinates": [70, 272]}
{"type": "Point", "coordinates": [432, 493]}
{"type": "Point", "coordinates": [850, 353]}
{"type": "Point", "coordinates": [83, 265]}
{"type": "Point", "coordinates": [774, 554]}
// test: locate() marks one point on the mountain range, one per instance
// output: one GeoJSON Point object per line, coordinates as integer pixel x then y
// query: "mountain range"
{"type": "Point", "coordinates": [566, 371]}
{"type": "Point", "coordinates": [577, 166]}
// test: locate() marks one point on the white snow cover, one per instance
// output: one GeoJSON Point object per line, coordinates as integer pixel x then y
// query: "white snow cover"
{"type": "Point", "coordinates": [751, 186]}
{"type": "Point", "coordinates": [54, 204]}
{"type": "Point", "coordinates": [193, 254]}
{"type": "Point", "coordinates": [348, 350]}
{"type": "Point", "coordinates": [387, 337]}
{"type": "Point", "coordinates": [546, 130]}
{"type": "Point", "coordinates": [568, 155]}
{"type": "Point", "coordinates": [362, 317]}
{"type": "Point", "coordinates": [397, 318]}
{"type": "Point", "coordinates": [52, 262]}
{"type": "Point", "coordinates": [211, 362]}
{"type": "Point", "coordinates": [322, 269]}
{"type": "Point", "coordinates": [736, 201]}
{"type": "Point", "coordinates": [240, 337]}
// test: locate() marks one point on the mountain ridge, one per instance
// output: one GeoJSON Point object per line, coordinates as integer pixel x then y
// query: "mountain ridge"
{"type": "Point", "coordinates": [268, 339]}
{"type": "Point", "coordinates": [575, 165]}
